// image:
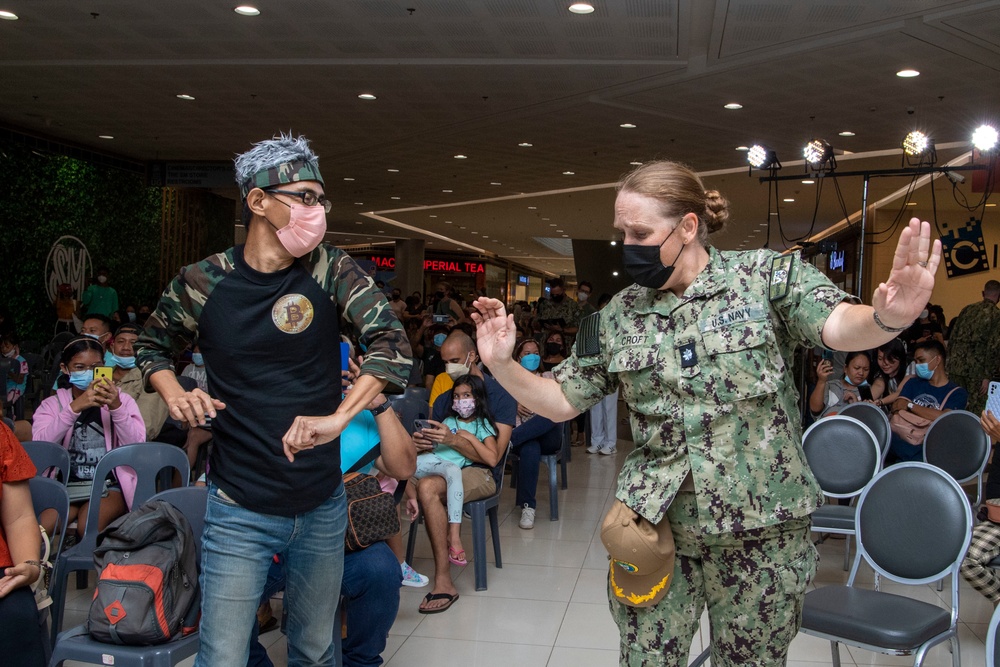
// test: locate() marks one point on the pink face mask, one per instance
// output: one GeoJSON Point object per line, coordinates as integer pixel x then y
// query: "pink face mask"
{"type": "Point", "coordinates": [304, 231]}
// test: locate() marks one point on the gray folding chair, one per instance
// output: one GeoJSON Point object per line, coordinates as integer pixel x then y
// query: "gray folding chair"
{"type": "Point", "coordinates": [956, 443]}
{"type": "Point", "coordinates": [76, 644]}
{"type": "Point", "coordinates": [844, 455]}
{"type": "Point", "coordinates": [914, 526]}
{"type": "Point", "coordinates": [46, 455]}
{"type": "Point", "coordinates": [147, 459]}
{"type": "Point", "coordinates": [875, 419]}
{"type": "Point", "coordinates": [992, 647]}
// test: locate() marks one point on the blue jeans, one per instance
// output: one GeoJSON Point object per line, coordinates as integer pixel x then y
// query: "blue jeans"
{"type": "Point", "coordinates": [370, 589]}
{"type": "Point", "coordinates": [237, 550]}
{"type": "Point", "coordinates": [529, 441]}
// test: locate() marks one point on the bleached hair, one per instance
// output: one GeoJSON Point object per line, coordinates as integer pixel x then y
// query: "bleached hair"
{"type": "Point", "coordinates": [272, 152]}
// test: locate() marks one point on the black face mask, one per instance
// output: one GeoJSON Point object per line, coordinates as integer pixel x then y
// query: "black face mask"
{"type": "Point", "coordinates": [642, 262]}
{"type": "Point", "coordinates": [439, 294]}
{"type": "Point", "coordinates": [557, 298]}
{"type": "Point", "coordinates": [552, 349]}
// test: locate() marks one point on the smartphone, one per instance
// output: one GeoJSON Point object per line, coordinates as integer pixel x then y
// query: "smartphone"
{"type": "Point", "coordinates": [420, 424]}
{"type": "Point", "coordinates": [345, 356]}
{"type": "Point", "coordinates": [827, 355]}
{"type": "Point", "coordinates": [440, 319]}
{"type": "Point", "coordinates": [993, 399]}
{"type": "Point", "coordinates": [106, 372]}
{"type": "Point", "coordinates": [865, 392]}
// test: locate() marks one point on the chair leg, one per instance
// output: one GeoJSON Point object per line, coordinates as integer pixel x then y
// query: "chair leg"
{"type": "Point", "coordinates": [847, 553]}
{"type": "Point", "coordinates": [82, 579]}
{"type": "Point", "coordinates": [940, 584]}
{"type": "Point", "coordinates": [513, 471]}
{"type": "Point", "coordinates": [411, 540]}
{"type": "Point", "coordinates": [479, 544]}
{"type": "Point", "coordinates": [562, 470]}
{"type": "Point", "coordinates": [550, 461]}
{"type": "Point", "coordinates": [835, 648]}
{"type": "Point", "coordinates": [58, 594]}
{"type": "Point", "coordinates": [956, 653]}
{"type": "Point", "coordinates": [495, 534]}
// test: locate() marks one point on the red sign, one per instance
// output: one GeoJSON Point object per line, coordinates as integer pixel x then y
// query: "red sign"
{"type": "Point", "coordinates": [437, 265]}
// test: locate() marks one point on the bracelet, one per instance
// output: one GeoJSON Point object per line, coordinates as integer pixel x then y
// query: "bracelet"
{"type": "Point", "coordinates": [380, 409]}
{"type": "Point", "coordinates": [884, 327]}
{"type": "Point", "coordinates": [36, 563]}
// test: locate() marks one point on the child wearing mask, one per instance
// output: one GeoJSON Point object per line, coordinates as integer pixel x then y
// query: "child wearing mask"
{"type": "Point", "coordinates": [468, 419]}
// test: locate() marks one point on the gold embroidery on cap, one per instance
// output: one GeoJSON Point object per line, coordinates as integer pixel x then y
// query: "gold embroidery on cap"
{"type": "Point", "coordinates": [632, 597]}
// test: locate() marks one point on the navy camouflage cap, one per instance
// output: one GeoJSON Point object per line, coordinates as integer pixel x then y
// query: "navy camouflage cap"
{"type": "Point", "coordinates": [286, 172]}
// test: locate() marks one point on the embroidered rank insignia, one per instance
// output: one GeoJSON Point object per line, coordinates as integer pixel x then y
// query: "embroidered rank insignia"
{"type": "Point", "coordinates": [689, 357]}
{"type": "Point", "coordinates": [781, 277]}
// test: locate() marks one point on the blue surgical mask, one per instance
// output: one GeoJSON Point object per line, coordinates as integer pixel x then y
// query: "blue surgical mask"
{"type": "Point", "coordinates": [197, 359]}
{"type": "Point", "coordinates": [848, 381]}
{"type": "Point", "coordinates": [131, 317]}
{"type": "Point", "coordinates": [924, 371]}
{"type": "Point", "coordinates": [123, 362]}
{"type": "Point", "coordinates": [531, 361]}
{"type": "Point", "coordinates": [81, 379]}
{"type": "Point", "coordinates": [94, 336]}
{"type": "Point", "coordinates": [439, 339]}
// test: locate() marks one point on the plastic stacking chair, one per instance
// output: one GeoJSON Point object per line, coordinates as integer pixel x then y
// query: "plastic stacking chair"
{"type": "Point", "coordinates": [992, 647]}
{"type": "Point", "coordinates": [914, 526]}
{"type": "Point", "coordinates": [76, 643]}
{"type": "Point", "coordinates": [46, 455]}
{"type": "Point", "coordinates": [875, 419]}
{"type": "Point", "coordinates": [480, 511]}
{"type": "Point", "coordinates": [147, 459]}
{"type": "Point", "coordinates": [409, 408]}
{"type": "Point", "coordinates": [956, 443]}
{"type": "Point", "coordinates": [844, 456]}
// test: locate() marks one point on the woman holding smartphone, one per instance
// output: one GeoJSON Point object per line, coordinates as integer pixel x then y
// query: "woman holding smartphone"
{"type": "Point", "coordinates": [831, 395]}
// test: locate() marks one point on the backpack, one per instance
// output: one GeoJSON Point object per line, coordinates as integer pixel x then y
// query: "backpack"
{"type": "Point", "coordinates": [147, 590]}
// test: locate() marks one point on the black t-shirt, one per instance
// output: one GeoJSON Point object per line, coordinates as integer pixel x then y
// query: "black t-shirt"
{"type": "Point", "coordinates": [272, 352]}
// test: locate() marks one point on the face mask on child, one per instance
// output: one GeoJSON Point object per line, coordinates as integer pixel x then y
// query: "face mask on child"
{"type": "Point", "coordinates": [464, 407]}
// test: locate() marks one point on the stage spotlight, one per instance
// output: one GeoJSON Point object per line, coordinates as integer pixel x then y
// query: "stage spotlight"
{"type": "Point", "coordinates": [819, 155]}
{"type": "Point", "coordinates": [916, 143]}
{"type": "Point", "coordinates": [760, 157]}
{"type": "Point", "coordinates": [984, 138]}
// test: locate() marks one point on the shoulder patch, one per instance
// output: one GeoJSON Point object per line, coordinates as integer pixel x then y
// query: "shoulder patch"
{"type": "Point", "coordinates": [588, 336]}
{"type": "Point", "coordinates": [781, 277]}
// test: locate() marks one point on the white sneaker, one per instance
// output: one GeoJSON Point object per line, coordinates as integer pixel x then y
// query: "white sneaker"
{"type": "Point", "coordinates": [593, 449]}
{"type": "Point", "coordinates": [527, 521]}
{"type": "Point", "coordinates": [411, 577]}
{"type": "Point", "coordinates": [608, 451]}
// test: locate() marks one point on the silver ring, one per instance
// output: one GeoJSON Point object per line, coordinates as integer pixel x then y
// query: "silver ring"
{"type": "Point", "coordinates": [923, 264]}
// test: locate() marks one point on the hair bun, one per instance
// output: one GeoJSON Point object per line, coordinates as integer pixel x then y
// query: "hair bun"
{"type": "Point", "coordinates": [716, 210]}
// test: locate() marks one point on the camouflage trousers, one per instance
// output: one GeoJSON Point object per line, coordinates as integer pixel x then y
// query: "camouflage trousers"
{"type": "Point", "coordinates": [753, 584]}
{"type": "Point", "coordinates": [977, 401]}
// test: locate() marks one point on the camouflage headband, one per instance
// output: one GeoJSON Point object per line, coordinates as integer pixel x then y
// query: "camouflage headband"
{"type": "Point", "coordinates": [286, 172]}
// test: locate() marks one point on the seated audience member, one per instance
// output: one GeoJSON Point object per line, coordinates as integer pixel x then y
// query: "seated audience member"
{"type": "Point", "coordinates": [89, 418]}
{"type": "Point", "coordinates": [22, 639]}
{"type": "Point", "coordinates": [433, 337]}
{"type": "Point", "coordinates": [196, 369]}
{"type": "Point", "coordinates": [98, 327]}
{"type": "Point", "coordinates": [604, 415]}
{"type": "Point", "coordinates": [196, 438]}
{"type": "Point", "coordinates": [554, 351]}
{"type": "Point", "coordinates": [17, 375]}
{"type": "Point", "coordinates": [372, 576]}
{"type": "Point", "coordinates": [446, 303]}
{"type": "Point", "coordinates": [923, 330]}
{"type": "Point", "coordinates": [457, 358]}
{"type": "Point", "coordinates": [888, 372]}
{"type": "Point", "coordinates": [129, 380]}
{"type": "Point", "coordinates": [985, 544]}
{"type": "Point", "coordinates": [532, 437]}
{"type": "Point", "coordinates": [831, 395]}
{"type": "Point", "coordinates": [479, 480]}
{"type": "Point", "coordinates": [927, 395]}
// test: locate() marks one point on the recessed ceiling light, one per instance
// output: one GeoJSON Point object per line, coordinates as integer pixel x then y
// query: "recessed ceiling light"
{"type": "Point", "coordinates": [907, 73]}
{"type": "Point", "coordinates": [393, 171]}
{"type": "Point", "coordinates": [546, 219]}
{"type": "Point", "coordinates": [366, 96]}
{"type": "Point", "coordinates": [432, 216]}
{"type": "Point", "coordinates": [581, 8]}
{"type": "Point", "coordinates": [569, 173]}
{"type": "Point", "coordinates": [446, 191]}
{"type": "Point", "coordinates": [357, 222]}
{"type": "Point", "coordinates": [635, 164]}
{"type": "Point", "coordinates": [447, 222]}
{"type": "Point", "coordinates": [105, 136]}
{"type": "Point", "coordinates": [460, 227]}
{"type": "Point", "coordinates": [359, 203]}
{"type": "Point", "coordinates": [525, 144]}
{"type": "Point", "coordinates": [348, 178]}
{"type": "Point", "coordinates": [8, 16]}
{"type": "Point", "coordinates": [990, 205]}
{"type": "Point", "coordinates": [733, 106]}
{"type": "Point", "coordinates": [496, 183]}
{"type": "Point", "coordinates": [788, 199]}
{"type": "Point", "coordinates": [532, 208]}
{"type": "Point", "coordinates": [247, 10]}
{"type": "Point", "coordinates": [742, 148]}
{"type": "Point", "coordinates": [846, 133]}
{"type": "Point", "coordinates": [381, 231]}
{"type": "Point", "coordinates": [911, 203]}
{"type": "Point", "coordinates": [461, 157]}
{"type": "Point", "coordinates": [614, 243]}
{"type": "Point", "coordinates": [559, 231]}
{"type": "Point", "coordinates": [393, 197]}
{"type": "Point", "coordinates": [485, 236]}
{"type": "Point", "coordinates": [628, 126]}
{"type": "Point", "coordinates": [553, 224]}
{"type": "Point", "coordinates": [808, 181]}
{"type": "Point", "coordinates": [614, 273]}
{"type": "Point", "coordinates": [474, 231]}
{"type": "Point", "coordinates": [184, 96]}
{"type": "Point", "coordinates": [565, 236]}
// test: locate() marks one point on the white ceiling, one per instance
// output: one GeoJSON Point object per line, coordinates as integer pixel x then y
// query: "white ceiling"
{"type": "Point", "coordinates": [477, 77]}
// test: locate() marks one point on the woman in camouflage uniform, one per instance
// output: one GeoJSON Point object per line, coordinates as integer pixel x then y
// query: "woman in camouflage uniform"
{"type": "Point", "coordinates": [701, 347]}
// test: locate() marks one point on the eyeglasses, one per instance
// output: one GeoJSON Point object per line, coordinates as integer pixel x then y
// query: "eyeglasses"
{"type": "Point", "coordinates": [308, 197]}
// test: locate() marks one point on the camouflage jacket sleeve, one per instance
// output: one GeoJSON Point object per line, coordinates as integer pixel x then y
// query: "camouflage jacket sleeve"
{"type": "Point", "coordinates": [807, 298]}
{"type": "Point", "coordinates": [363, 306]}
{"type": "Point", "coordinates": [585, 380]}
{"type": "Point", "coordinates": [174, 323]}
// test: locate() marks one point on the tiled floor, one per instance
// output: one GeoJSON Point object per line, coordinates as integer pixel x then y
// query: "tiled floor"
{"type": "Point", "coordinates": [547, 606]}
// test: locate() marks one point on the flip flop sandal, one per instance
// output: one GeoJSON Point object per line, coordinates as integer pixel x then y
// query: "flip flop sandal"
{"type": "Point", "coordinates": [430, 597]}
{"type": "Point", "coordinates": [457, 556]}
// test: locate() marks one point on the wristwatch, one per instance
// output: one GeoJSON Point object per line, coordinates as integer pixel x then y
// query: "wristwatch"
{"type": "Point", "coordinates": [380, 409]}
{"type": "Point", "coordinates": [909, 406]}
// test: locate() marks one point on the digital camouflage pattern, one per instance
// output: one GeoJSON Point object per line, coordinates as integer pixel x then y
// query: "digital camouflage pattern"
{"type": "Point", "coordinates": [568, 310]}
{"type": "Point", "coordinates": [707, 383]}
{"type": "Point", "coordinates": [174, 323]}
{"type": "Point", "coordinates": [286, 172]}
{"type": "Point", "coordinates": [752, 582]}
{"type": "Point", "coordinates": [974, 350]}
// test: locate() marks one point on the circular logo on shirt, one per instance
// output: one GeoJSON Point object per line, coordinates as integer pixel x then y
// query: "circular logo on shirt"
{"type": "Point", "coordinates": [292, 313]}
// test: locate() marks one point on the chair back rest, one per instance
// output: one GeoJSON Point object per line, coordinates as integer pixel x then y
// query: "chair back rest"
{"type": "Point", "coordinates": [993, 640]}
{"type": "Point", "coordinates": [191, 502]}
{"type": "Point", "coordinates": [409, 408]}
{"type": "Point", "coordinates": [914, 523]}
{"type": "Point", "coordinates": [498, 470]}
{"type": "Point", "coordinates": [49, 494]}
{"type": "Point", "coordinates": [419, 393]}
{"type": "Point", "coordinates": [146, 459]}
{"type": "Point", "coordinates": [875, 419]}
{"type": "Point", "coordinates": [843, 455]}
{"type": "Point", "coordinates": [956, 443]}
{"type": "Point", "coordinates": [46, 455]}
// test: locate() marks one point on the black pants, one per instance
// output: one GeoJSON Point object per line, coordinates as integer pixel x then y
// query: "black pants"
{"type": "Point", "coordinates": [21, 635]}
